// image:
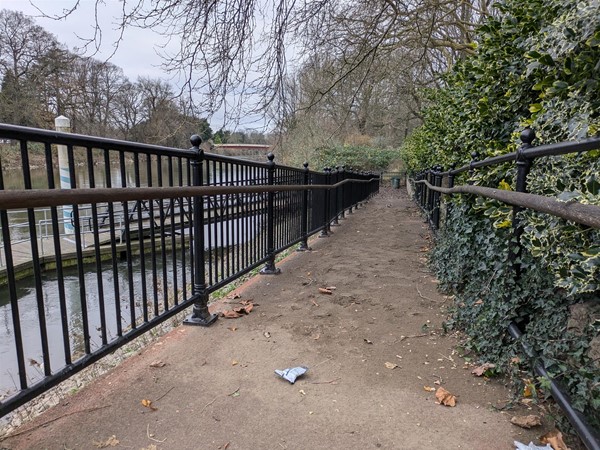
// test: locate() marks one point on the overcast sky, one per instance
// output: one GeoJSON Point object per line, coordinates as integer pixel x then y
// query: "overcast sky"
{"type": "Point", "coordinates": [136, 53]}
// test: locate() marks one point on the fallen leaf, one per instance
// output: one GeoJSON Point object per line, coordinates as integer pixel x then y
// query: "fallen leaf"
{"type": "Point", "coordinates": [235, 393]}
{"type": "Point", "coordinates": [445, 397]}
{"type": "Point", "coordinates": [110, 442]}
{"type": "Point", "coordinates": [368, 341]}
{"type": "Point", "coordinates": [526, 421]}
{"type": "Point", "coordinates": [148, 404]}
{"type": "Point", "coordinates": [390, 365]}
{"type": "Point", "coordinates": [325, 291]}
{"type": "Point", "coordinates": [429, 388]}
{"type": "Point", "coordinates": [234, 313]}
{"type": "Point", "coordinates": [515, 360]}
{"type": "Point", "coordinates": [316, 338]}
{"type": "Point", "coordinates": [554, 438]}
{"type": "Point", "coordinates": [482, 369]}
{"type": "Point", "coordinates": [232, 328]}
{"type": "Point", "coordinates": [479, 302]}
{"type": "Point", "coordinates": [234, 363]}
{"type": "Point", "coordinates": [234, 296]}
{"type": "Point", "coordinates": [158, 363]}
{"type": "Point", "coordinates": [528, 389]}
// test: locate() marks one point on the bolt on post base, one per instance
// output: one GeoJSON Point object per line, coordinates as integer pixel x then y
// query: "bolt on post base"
{"type": "Point", "coordinates": [303, 247]}
{"type": "Point", "coordinates": [200, 316]}
{"type": "Point", "coordinates": [270, 269]}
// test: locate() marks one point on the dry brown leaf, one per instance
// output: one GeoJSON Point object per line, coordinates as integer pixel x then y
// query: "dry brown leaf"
{"type": "Point", "coordinates": [429, 388]}
{"type": "Point", "coordinates": [390, 365]}
{"type": "Point", "coordinates": [110, 442]}
{"type": "Point", "coordinates": [526, 421]}
{"type": "Point", "coordinates": [554, 438]}
{"type": "Point", "coordinates": [445, 397]}
{"type": "Point", "coordinates": [482, 369]}
{"type": "Point", "coordinates": [479, 302]}
{"type": "Point", "coordinates": [158, 363]}
{"type": "Point", "coordinates": [232, 328]}
{"type": "Point", "coordinates": [515, 360]}
{"type": "Point", "coordinates": [325, 291]}
{"type": "Point", "coordinates": [368, 341]}
{"type": "Point", "coordinates": [239, 311]}
{"type": "Point", "coordinates": [234, 363]}
{"type": "Point", "coordinates": [234, 296]}
{"type": "Point", "coordinates": [148, 404]}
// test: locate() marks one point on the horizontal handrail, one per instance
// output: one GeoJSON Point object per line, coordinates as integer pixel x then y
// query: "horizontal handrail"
{"type": "Point", "coordinates": [561, 148]}
{"type": "Point", "coordinates": [577, 212]}
{"type": "Point", "coordinates": [35, 198]}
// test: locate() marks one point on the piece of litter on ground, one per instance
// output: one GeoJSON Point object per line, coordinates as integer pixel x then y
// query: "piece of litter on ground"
{"type": "Point", "coordinates": [292, 373]}
{"type": "Point", "coordinates": [531, 446]}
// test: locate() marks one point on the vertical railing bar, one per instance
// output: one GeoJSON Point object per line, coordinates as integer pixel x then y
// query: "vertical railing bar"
{"type": "Point", "coordinates": [182, 234]}
{"type": "Point", "coordinates": [60, 280]}
{"type": "Point", "coordinates": [174, 273]}
{"type": "Point", "coordinates": [126, 219]}
{"type": "Point", "coordinates": [227, 223]}
{"type": "Point", "coordinates": [140, 226]}
{"type": "Point", "coordinates": [97, 256]}
{"type": "Point", "coordinates": [153, 264]}
{"type": "Point", "coordinates": [113, 247]}
{"type": "Point", "coordinates": [79, 253]}
{"type": "Point", "coordinates": [163, 243]}
{"type": "Point", "coordinates": [210, 201]}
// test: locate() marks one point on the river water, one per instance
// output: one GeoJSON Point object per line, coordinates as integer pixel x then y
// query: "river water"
{"type": "Point", "coordinates": [28, 311]}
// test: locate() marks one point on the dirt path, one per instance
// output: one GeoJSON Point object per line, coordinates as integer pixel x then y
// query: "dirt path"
{"type": "Point", "coordinates": [217, 389]}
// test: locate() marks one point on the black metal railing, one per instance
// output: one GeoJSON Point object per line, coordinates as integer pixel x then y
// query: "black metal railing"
{"type": "Point", "coordinates": [430, 184]}
{"type": "Point", "coordinates": [168, 226]}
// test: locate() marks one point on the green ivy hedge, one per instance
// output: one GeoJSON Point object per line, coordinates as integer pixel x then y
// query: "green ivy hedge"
{"type": "Point", "coordinates": [537, 64]}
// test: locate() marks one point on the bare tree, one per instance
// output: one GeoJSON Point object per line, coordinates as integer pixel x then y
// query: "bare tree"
{"type": "Point", "coordinates": [233, 53]}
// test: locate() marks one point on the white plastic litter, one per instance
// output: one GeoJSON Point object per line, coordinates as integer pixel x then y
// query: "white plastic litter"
{"type": "Point", "coordinates": [292, 373]}
{"type": "Point", "coordinates": [531, 446]}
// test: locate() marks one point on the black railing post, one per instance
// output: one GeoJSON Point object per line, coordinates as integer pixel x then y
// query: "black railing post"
{"type": "Point", "coordinates": [334, 180]}
{"type": "Point", "coordinates": [343, 192]}
{"type": "Point", "coordinates": [326, 230]}
{"type": "Point", "coordinates": [270, 268]}
{"type": "Point", "coordinates": [351, 189]}
{"type": "Point", "coordinates": [303, 247]}
{"type": "Point", "coordinates": [437, 181]}
{"type": "Point", "coordinates": [200, 314]}
{"type": "Point", "coordinates": [523, 167]}
{"type": "Point", "coordinates": [451, 175]}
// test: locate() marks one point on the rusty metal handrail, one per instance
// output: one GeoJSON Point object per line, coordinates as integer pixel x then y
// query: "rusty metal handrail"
{"type": "Point", "coordinates": [577, 212]}
{"type": "Point", "coordinates": [38, 198]}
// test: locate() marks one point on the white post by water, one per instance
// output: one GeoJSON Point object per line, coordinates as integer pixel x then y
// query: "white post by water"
{"type": "Point", "coordinates": [63, 124]}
